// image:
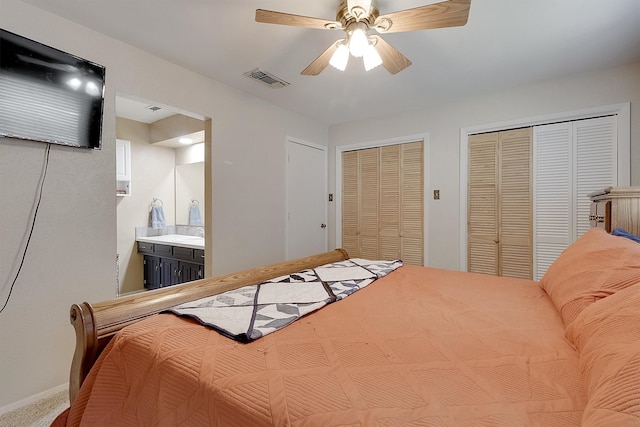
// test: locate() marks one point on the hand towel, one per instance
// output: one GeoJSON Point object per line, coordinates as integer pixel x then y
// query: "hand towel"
{"type": "Point", "coordinates": [194, 215]}
{"type": "Point", "coordinates": [157, 218]}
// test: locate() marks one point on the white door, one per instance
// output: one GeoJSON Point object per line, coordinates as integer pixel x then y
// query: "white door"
{"type": "Point", "coordinates": [306, 199]}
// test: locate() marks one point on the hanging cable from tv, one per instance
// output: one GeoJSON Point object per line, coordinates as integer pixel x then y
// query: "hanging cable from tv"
{"type": "Point", "coordinates": [36, 207]}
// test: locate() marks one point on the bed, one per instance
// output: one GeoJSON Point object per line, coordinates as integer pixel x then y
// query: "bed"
{"type": "Point", "coordinates": [417, 347]}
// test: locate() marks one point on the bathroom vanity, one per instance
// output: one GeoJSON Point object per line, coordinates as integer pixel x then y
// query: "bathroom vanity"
{"type": "Point", "coordinates": [171, 259]}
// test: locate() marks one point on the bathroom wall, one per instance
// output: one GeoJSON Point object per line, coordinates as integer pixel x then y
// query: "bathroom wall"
{"type": "Point", "coordinates": [152, 176]}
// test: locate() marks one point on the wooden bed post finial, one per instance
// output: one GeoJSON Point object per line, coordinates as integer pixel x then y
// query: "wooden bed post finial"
{"type": "Point", "coordinates": [81, 317]}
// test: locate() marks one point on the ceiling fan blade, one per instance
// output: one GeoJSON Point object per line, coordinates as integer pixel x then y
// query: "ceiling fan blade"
{"type": "Point", "coordinates": [391, 57]}
{"type": "Point", "coordinates": [450, 13]}
{"type": "Point", "coordinates": [281, 18]}
{"type": "Point", "coordinates": [321, 62]}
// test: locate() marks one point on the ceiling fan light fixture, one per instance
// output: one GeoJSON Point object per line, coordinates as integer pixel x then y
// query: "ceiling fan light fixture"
{"type": "Point", "coordinates": [340, 57]}
{"type": "Point", "coordinates": [371, 58]}
{"type": "Point", "coordinates": [358, 40]}
{"type": "Point", "coordinates": [357, 17]}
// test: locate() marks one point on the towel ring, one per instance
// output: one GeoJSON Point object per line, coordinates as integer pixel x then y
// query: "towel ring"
{"type": "Point", "coordinates": [195, 202]}
{"type": "Point", "coordinates": [155, 201]}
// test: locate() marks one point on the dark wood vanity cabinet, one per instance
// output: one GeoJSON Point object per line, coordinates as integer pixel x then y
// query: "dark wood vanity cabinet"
{"type": "Point", "coordinates": [166, 265]}
{"type": "Point", "coordinates": [151, 272]}
{"type": "Point", "coordinates": [188, 272]}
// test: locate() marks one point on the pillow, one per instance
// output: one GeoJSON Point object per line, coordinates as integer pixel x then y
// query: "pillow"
{"type": "Point", "coordinates": [593, 267]}
{"type": "Point", "coordinates": [624, 233]}
{"type": "Point", "coordinates": [607, 338]}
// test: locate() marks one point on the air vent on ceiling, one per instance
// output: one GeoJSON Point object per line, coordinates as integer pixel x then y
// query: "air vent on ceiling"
{"type": "Point", "coordinates": [266, 78]}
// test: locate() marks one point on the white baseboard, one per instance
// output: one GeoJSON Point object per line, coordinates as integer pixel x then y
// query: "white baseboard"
{"type": "Point", "coordinates": [32, 399]}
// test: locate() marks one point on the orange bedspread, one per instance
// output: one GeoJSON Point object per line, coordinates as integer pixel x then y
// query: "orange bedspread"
{"type": "Point", "coordinates": [419, 347]}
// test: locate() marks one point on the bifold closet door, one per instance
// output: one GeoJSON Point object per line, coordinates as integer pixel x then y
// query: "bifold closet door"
{"type": "Point", "coordinates": [482, 193]}
{"type": "Point", "coordinates": [350, 203]}
{"type": "Point", "coordinates": [572, 160]}
{"type": "Point", "coordinates": [412, 203]}
{"type": "Point", "coordinates": [515, 201]}
{"type": "Point", "coordinates": [499, 222]}
{"type": "Point", "coordinates": [383, 202]}
{"type": "Point", "coordinates": [369, 183]}
{"type": "Point", "coordinates": [360, 202]}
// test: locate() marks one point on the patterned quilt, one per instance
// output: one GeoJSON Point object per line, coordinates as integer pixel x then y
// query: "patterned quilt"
{"type": "Point", "coordinates": [248, 313]}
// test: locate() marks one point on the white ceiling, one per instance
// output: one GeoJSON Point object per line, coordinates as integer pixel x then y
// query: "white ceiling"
{"type": "Point", "coordinates": [141, 111]}
{"type": "Point", "coordinates": [505, 43]}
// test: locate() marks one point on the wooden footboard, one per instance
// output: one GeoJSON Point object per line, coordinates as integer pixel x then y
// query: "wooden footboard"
{"type": "Point", "coordinates": [95, 324]}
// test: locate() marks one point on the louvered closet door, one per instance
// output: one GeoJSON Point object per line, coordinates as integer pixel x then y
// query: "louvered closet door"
{"type": "Point", "coordinates": [596, 143]}
{"type": "Point", "coordinates": [350, 204]}
{"type": "Point", "coordinates": [499, 205]}
{"type": "Point", "coordinates": [369, 183]}
{"type": "Point", "coordinates": [402, 203]}
{"type": "Point", "coordinates": [553, 193]}
{"type": "Point", "coordinates": [412, 203]}
{"type": "Point", "coordinates": [482, 220]}
{"type": "Point", "coordinates": [360, 196]}
{"type": "Point", "coordinates": [382, 203]}
{"type": "Point", "coordinates": [571, 160]}
{"type": "Point", "coordinates": [514, 201]}
{"type": "Point", "coordinates": [390, 203]}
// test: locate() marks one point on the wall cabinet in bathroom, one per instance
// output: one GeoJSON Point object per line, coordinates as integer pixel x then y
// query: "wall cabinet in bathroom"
{"type": "Point", "coordinates": [123, 167]}
{"type": "Point", "coordinates": [166, 265]}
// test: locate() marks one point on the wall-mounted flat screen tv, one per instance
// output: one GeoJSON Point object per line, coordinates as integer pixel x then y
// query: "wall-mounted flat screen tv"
{"type": "Point", "coordinates": [48, 95]}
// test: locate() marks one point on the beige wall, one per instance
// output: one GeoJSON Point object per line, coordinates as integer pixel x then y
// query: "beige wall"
{"type": "Point", "coordinates": [152, 176]}
{"type": "Point", "coordinates": [443, 125]}
{"type": "Point", "coordinates": [72, 253]}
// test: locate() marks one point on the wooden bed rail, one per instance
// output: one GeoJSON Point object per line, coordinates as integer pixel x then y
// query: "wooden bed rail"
{"type": "Point", "coordinates": [95, 324]}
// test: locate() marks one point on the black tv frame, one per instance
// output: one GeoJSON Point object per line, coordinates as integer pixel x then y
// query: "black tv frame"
{"type": "Point", "coordinates": [49, 95]}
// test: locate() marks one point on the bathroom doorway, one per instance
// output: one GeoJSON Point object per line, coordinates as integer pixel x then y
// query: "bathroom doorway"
{"type": "Point", "coordinates": [165, 148]}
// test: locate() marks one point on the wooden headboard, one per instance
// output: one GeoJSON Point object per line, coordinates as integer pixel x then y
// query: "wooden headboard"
{"type": "Point", "coordinates": [96, 324]}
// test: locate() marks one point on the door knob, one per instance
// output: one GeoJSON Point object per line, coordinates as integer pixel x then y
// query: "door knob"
{"type": "Point", "coordinates": [323, 225]}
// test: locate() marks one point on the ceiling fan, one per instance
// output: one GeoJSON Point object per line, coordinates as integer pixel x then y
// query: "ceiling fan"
{"type": "Point", "coordinates": [357, 18]}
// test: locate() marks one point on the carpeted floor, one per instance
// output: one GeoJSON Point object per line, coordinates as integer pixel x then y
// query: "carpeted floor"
{"type": "Point", "coordinates": [37, 414]}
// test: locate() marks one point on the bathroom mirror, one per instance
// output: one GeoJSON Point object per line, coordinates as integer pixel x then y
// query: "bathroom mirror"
{"type": "Point", "coordinates": [189, 186]}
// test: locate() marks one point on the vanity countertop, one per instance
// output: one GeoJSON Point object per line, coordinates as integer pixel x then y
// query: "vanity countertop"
{"type": "Point", "coordinates": [193, 242]}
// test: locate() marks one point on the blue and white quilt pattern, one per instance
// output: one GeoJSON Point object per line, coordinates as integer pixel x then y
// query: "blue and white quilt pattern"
{"type": "Point", "coordinates": [248, 313]}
